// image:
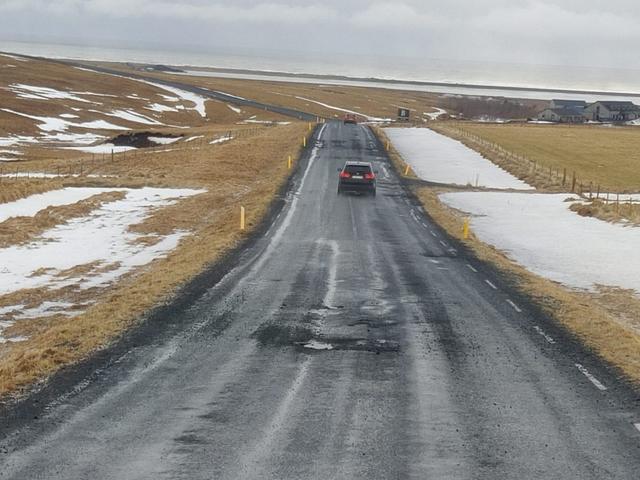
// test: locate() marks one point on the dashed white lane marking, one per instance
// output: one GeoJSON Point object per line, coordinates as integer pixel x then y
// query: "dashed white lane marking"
{"type": "Point", "coordinates": [488, 282]}
{"type": "Point", "coordinates": [591, 378]}
{"type": "Point", "coordinates": [637, 425]}
{"type": "Point", "coordinates": [434, 234]}
{"type": "Point", "coordinates": [424, 225]}
{"type": "Point", "coordinates": [470, 267]}
{"type": "Point", "coordinates": [514, 306]}
{"type": "Point", "coordinates": [546, 337]}
{"type": "Point", "coordinates": [414, 216]}
{"type": "Point", "coordinates": [443, 243]}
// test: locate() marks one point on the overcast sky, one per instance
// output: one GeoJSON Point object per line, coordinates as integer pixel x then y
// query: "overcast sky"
{"type": "Point", "coordinates": [552, 32]}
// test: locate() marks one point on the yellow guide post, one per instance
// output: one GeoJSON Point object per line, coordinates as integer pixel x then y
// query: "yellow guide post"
{"type": "Point", "coordinates": [406, 171]}
{"type": "Point", "coordinates": [465, 228]}
{"type": "Point", "coordinates": [242, 223]}
{"type": "Point", "coordinates": [304, 141]}
{"type": "Point", "coordinates": [289, 162]}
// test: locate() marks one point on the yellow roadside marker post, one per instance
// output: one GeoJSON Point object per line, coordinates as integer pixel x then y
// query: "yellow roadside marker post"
{"type": "Point", "coordinates": [406, 171]}
{"type": "Point", "coordinates": [388, 145]}
{"type": "Point", "coordinates": [465, 228]}
{"type": "Point", "coordinates": [304, 141]}
{"type": "Point", "coordinates": [242, 223]}
{"type": "Point", "coordinates": [289, 162]}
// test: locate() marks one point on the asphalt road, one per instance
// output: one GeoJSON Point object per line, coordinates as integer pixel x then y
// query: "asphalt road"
{"type": "Point", "coordinates": [435, 370]}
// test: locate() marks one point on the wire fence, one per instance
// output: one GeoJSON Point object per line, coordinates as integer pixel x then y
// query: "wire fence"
{"type": "Point", "coordinates": [561, 178]}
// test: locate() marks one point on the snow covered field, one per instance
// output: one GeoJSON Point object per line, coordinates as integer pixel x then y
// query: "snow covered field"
{"type": "Point", "coordinates": [101, 239]}
{"type": "Point", "coordinates": [440, 159]}
{"type": "Point", "coordinates": [542, 234]}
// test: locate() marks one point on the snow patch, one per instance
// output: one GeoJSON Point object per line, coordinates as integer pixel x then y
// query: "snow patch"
{"type": "Point", "coordinates": [198, 100]}
{"type": "Point", "coordinates": [235, 109]}
{"type": "Point", "coordinates": [164, 140]}
{"type": "Point", "coordinates": [43, 93]}
{"type": "Point", "coordinates": [437, 158]}
{"type": "Point", "coordinates": [55, 124]}
{"type": "Point", "coordinates": [158, 107]}
{"type": "Point", "coordinates": [436, 114]}
{"type": "Point", "coordinates": [226, 138]}
{"type": "Point", "coordinates": [102, 148]}
{"type": "Point", "coordinates": [540, 232]}
{"type": "Point", "coordinates": [112, 243]}
{"type": "Point", "coordinates": [330, 107]}
{"type": "Point", "coordinates": [28, 207]}
{"type": "Point", "coordinates": [130, 116]}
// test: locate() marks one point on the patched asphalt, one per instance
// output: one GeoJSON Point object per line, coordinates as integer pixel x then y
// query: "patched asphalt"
{"type": "Point", "coordinates": [350, 339]}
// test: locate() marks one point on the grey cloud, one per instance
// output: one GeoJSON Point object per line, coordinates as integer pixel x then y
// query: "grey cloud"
{"type": "Point", "coordinates": [586, 32]}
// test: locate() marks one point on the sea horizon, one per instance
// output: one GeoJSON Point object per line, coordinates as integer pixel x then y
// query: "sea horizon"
{"type": "Point", "coordinates": [460, 74]}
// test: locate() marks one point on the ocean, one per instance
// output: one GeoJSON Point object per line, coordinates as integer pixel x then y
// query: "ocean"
{"type": "Point", "coordinates": [457, 73]}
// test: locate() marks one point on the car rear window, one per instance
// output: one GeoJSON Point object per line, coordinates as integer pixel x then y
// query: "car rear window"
{"type": "Point", "coordinates": [357, 169]}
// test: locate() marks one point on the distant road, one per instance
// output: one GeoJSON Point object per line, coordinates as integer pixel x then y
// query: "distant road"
{"type": "Point", "coordinates": [353, 340]}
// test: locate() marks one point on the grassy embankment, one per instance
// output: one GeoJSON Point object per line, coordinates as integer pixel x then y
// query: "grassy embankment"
{"type": "Point", "coordinates": [246, 171]}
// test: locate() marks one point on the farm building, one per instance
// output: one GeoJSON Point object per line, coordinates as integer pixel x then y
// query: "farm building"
{"type": "Point", "coordinates": [561, 115]}
{"type": "Point", "coordinates": [605, 111]}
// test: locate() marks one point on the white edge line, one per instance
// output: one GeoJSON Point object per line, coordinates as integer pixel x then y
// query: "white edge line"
{"type": "Point", "coordinates": [546, 337]}
{"type": "Point", "coordinates": [488, 282]}
{"type": "Point", "coordinates": [591, 378]}
{"type": "Point", "coordinates": [514, 306]}
{"type": "Point", "coordinates": [470, 267]}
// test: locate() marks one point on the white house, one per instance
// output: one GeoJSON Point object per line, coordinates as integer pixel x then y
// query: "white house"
{"type": "Point", "coordinates": [561, 115]}
{"type": "Point", "coordinates": [606, 111]}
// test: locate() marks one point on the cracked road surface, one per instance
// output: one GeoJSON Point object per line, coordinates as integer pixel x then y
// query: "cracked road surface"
{"type": "Point", "coordinates": [353, 340]}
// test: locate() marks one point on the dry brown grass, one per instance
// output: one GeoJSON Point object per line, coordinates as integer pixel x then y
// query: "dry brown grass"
{"type": "Point", "coordinates": [116, 94]}
{"type": "Point", "coordinates": [18, 230]}
{"type": "Point", "coordinates": [606, 322]}
{"type": "Point", "coordinates": [609, 157]}
{"type": "Point", "coordinates": [247, 171]}
{"type": "Point", "coordinates": [377, 102]}
{"type": "Point", "coordinates": [11, 190]}
{"type": "Point", "coordinates": [614, 212]}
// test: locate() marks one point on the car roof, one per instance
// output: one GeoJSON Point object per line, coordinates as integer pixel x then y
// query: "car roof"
{"type": "Point", "coordinates": [361, 164]}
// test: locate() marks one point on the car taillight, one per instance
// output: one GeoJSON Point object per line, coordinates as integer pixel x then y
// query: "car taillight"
{"type": "Point", "coordinates": [345, 175]}
{"type": "Point", "coordinates": [369, 176]}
